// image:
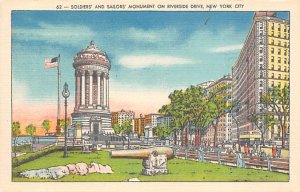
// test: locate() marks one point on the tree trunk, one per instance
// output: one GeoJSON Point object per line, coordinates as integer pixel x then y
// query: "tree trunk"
{"type": "Point", "coordinates": [175, 137]}
{"type": "Point", "coordinates": [283, 137]}
{"type": "Point", "coordinates": [181, 137]}
{"type": "Point", "coordinates": [215, 134]}
{"type": "Point", "coordinates": [186, 137]}
{"type": "Point", "coordinates": [128, 141]}
{"type": "Point", "coordinates": [263, 139]}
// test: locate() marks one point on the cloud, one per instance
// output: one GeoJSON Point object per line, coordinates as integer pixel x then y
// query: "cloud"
{"type": "Point", "coordinates": [150, 36]}
{"type": "Point", "coordinates": [55, 33]}
{"type": "Point", "coordinates": [226, 49]}
{"type": "Point", "coordinates": [141, 61]}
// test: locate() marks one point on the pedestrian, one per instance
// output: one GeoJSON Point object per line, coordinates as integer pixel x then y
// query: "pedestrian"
{"type": "Point", "coordinates": [274, 151]}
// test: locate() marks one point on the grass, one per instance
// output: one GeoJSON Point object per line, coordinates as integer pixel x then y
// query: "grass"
{"type": "Point", "coordinates": [179, 169]}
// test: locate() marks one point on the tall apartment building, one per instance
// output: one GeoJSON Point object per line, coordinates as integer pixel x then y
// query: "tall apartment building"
{"type": "Point", "coordinates": [225, 122]}
{"type": "Point", "coordinates": [151, 119]}
{"type": "Point", "coordinates": [121, 116]}
{"type": "Point", "coordinates": [263, 63]}
{"type": "Point", "coordinates": [139, 125]}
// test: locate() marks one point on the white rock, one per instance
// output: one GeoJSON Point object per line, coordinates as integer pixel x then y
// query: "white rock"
{"type": "Point", "coordinates": [72, 168]}
{"type": "Point", "coordinates": [43, 173]}
{"type": "Point", "coordinates": [58, 172]}
{"type": "Point", "coordinates": [133, 179]}
{"type": "Point", "coordinates": [105, 169]}
{"type": "Point", "coordinates": [82, 168]}
{"type": "Point", "coordinates": [94, 168]}
{"type": "Point", "coordinates": [28, 173]}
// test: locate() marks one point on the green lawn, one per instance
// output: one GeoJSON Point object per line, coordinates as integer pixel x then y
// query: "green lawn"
{"type": "Point", "coordinates": [179, 170]}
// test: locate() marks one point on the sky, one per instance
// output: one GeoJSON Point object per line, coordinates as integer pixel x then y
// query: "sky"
{"type": "Point", "coordinates": [151, 54]}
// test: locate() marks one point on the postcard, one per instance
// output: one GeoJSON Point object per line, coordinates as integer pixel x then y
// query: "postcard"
{"type": "Point", "coordinates": [195, 95]}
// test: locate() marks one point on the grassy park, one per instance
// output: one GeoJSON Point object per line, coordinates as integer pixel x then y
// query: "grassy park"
{"type": "Point", "coordinates": [179, 169]}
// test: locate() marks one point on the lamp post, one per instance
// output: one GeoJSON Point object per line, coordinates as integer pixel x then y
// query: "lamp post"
{"type": "Point", "coordinates": [65, 94]}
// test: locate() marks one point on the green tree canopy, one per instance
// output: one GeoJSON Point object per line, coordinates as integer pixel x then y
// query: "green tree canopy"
{"type": "Point", "coordinates": [30, 129]}
{"type": "Point", "coordinates": [161, 131]}
{"type": "Point", "coordinates": [16, 128]}
{"type": "Point", "coordinates": [46, 125]}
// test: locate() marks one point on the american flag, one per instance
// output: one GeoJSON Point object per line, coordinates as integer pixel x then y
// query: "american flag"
{"type": "Point", "coordinates": [51, 63]}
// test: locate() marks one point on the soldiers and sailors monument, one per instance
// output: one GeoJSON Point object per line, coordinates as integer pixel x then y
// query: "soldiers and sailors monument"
{"type": "Point", "coordinates": [91, 109]}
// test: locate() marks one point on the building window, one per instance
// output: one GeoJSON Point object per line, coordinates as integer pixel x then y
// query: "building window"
{"type": "Point", "coordinates": [272, 76]}
{"type": "Point", "coordinates": [284, 28]}
{"type": "Point", "coordinates": [260, 67]}
{"type": "Point", "coordinates": [284, 61]}
{"type": "Point", "coordinates": [279, 51]}
{"type": "Point", "coordinates": [285, 52]}
{"type": "Point", "coordinates": [272, 58]}
{"type": "Point", "coordinates": [285, 76]}
{"type": "Point", "coordinates": [279, 34]}
{"type": "Point", "coordinates": [272, 33]}
{"type": "Point", "coordinates": [279, 43]}
{"type": "Point", "coordinates": [272, 67]}
{"type": "Point", "coordinates": [279, 76]}
{"type": "Point", "coordinates": [260, 59]}
{"type": "Point", "coordinates": [279, 68]}
{"type": "Point", "coordinates": [285, 68]}
{"type": "Point", "coordinates": [279, 60]}
{"type": "Point", "coordinates": [272, 27]}
{"type": "Point", "coordinates": [285, 36]}
{"type": "Point", "coordinates": [272, 50]}
{"type": "Point", "coordinates": [272, 42]}
{"type": "Point", "coordinates": [272, 83]}
{"type": "Point", "coordinates": [285, 44]}
{"type": "Point", "coordinates": [260, 83]}
{"type": "Point", "coordinates": [261, 75]}
{"type": "Point", "coordinates": [260, 50]}
{"type": "Point", "coordinates": [279, 84]}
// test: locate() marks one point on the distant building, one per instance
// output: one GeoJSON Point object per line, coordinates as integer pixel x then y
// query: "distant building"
{"type": "Point", "coordinates": [139, 125]}
{"type": "Point", "coordinates": [263, 63]}
{"type": "Point", "coordinates": [225, 122]}
{"type": "Point", "coordinates": [164, 120]}
{"type": "Point", "coordinates": [151, 119]}
{"type": "Point", "coordinates": [120, 116]}
{"type": "Point", "coordinates": [204, 85]}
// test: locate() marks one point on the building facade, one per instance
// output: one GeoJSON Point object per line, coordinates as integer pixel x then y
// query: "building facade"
{"type": "Point", "coordinates": [263, 63]}
{"type": "Point", "coordinates": [151, 119]}
{"type": "Point", "coordinates": [91, 109]}
{"type": "Point", "coordinates": [225, 121]}
{"type": "Point", "coordinates": [121, 116]}
{"type": "Point", "coordinates": [139, 125]}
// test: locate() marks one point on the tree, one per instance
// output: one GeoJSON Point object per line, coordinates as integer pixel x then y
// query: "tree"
{"type": "Point", "coordinates": [126, 127]}
{"type": "Point", "coordinates": [30, 130]}
{"type": "Point", "coordinates": [117, 128]}
{"type": "Point", "coordinates": [62, 123]}
{"type": "Point", "coordinates": [176, 110]}
{"type": "Point", "coordinates": [278, 100]}
{"type": "Point", "coordinates": [199, 111]}
{"type": "Point", "coordinates": [46, 125]}
{"type": "Point", "coordinates": [220, 105]}
{"type": "Point", "coordinates": [15, 133]}
{"type": "Point", "coordinates": [262, 123]}
{"type": "Point", "coordinates": [161, 131]}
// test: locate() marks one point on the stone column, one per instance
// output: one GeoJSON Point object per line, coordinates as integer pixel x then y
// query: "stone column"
{"type": "Point", "coordinates": [104, 90]}
{"type": "Point", "coordinates": [90, 88]}
{"type": "Point", "coordinates": [77, 89]}
{"type": "Point", "coordinates": [101, 90]}
{"type": "Point", "coordinates": [82, 88]}
{"type": "Point", "coordinates": [98, 88]}
{"type": "Point", "coordinates": [107, 91]}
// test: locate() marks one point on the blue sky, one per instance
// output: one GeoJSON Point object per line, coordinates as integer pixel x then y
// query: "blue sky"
{"type": "Point", "coordinates": [150, 52]}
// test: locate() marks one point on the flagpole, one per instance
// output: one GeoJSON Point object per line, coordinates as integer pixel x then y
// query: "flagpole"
{"type": "Point", "coordinates": [58, 128]}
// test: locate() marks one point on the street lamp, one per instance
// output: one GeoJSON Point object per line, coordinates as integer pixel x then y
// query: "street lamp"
{"type": "Point", "coordinates": [65, 94]}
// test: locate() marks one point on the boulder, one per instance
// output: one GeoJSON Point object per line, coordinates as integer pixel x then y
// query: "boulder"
{"type": "Point", "coordinates": [82, 168]}
{"type": "Point", "coordinates": [72, 168]}
{"type": "Point", "coordinates": [104, 169]}
{"type": "Point", "coordinates": [58, 172]}
{"type": "Point", "coordinates": [133, 179]}
{"type": "Point", "coordinates": [28, 173]}
{"type": "Point", "coordinates": [43, 173]}
{"type": "Point", "coordinates": [94, 168]}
